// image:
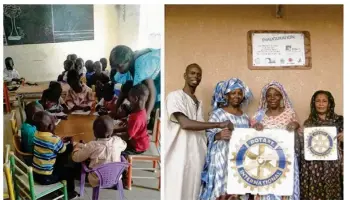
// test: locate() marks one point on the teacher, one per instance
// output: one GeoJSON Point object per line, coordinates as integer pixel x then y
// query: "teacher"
{"type": "Point", "coordinates": [139, 67]}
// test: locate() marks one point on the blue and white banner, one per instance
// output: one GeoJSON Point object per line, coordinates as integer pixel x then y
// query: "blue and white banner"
{"type": "Point", "coordinates": [261, 162]}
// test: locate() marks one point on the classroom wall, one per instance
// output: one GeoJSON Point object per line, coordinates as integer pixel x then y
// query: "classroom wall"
{"type": "Point", "coordinates": [215, 37]}
{"type": "Point", "coordinates": [44, 62]}
{"type": "Point", "coordinates": [129, 24]}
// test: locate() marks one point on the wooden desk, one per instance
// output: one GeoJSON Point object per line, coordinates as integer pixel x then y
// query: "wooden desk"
{"type": "Point", "coordinates": [31, 93]}
{"type": "Point", "coordinates": [77, 124]}
{"type": "Point", "coordinates": [38, 89]}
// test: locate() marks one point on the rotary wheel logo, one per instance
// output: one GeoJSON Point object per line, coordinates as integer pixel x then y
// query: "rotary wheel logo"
{"type": "Point", "coordinates": [320, 143]}
{"type": "Point", "coordinates": [260, 163]}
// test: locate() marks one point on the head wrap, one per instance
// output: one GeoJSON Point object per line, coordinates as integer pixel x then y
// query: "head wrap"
{"type": "Point", "coordinates": [224, 87]}
{"type": "Point", "coordinates": [285, 101]}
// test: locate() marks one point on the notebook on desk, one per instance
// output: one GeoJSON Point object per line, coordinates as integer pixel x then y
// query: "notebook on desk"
{"type": "Point", "coordinates": [81, 112]}
{"type": "Point", "coordinates": [96, 113]}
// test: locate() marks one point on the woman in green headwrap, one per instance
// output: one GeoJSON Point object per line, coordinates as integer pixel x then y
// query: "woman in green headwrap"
{"type": "Point", "coordinates": [140, 67]}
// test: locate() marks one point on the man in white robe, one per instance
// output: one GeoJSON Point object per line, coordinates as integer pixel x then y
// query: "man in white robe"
{"type": "Point", "coordinates": [185, 141]}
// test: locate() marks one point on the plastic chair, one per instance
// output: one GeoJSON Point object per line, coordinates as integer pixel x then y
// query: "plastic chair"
{"type": "Point", "coordinates": [7, 153]}
{"type": "Point", "coordinates": [26, 188]}
{"type": "Point", "coordinates": [109, 176]}
{"type": "Point", "coordinates": [156, 134]}
{"type": "Point", "coordinates": [9, 192]}
{"type": "Point", "coordinates": [152, 154]}
{"type": "Point", "coordinates": [7, 98]}
{"type": "Point", "coordinates": [14, 124]}
{"type": "Point", "coordinates": [26, 157]}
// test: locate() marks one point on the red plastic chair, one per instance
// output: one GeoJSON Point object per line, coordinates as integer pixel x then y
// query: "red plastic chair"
{"type": "Point", "coordinates": [7, 99]}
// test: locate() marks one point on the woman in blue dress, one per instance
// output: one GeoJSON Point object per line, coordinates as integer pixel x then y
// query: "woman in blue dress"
{"type": "Point", "coordinates": [228, 98]}
{"type": "Point", "coordinates": [139, 67]}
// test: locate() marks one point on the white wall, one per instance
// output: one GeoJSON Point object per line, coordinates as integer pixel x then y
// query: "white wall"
{"type": "Point", "coordinates": [44, 62]}
{"type": "Point", "coordinates": [129, 22]}
{"type": "Point", "coordinates": [140, 26]}
{"type": "Point", "coordinates": [151, 26]}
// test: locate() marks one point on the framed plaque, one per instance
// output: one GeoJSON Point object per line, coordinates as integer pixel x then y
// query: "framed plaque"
{"type": "Point", "coordinates": [279, 50]}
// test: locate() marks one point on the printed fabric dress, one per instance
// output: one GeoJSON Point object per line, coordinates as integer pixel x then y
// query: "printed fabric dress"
{"type": "Point", "coordinates": [214, 175]}
{"type": "Point", "coordinates": [321, 180]}
{"type": "Point", "coordinates": [280, 122]}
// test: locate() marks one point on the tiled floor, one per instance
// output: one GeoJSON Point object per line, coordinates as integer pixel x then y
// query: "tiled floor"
{"type": "Point", "coordinates": [144, 189]}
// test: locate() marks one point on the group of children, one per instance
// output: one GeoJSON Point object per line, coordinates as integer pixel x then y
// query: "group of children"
{"type": "Point", "coordinates": [51, 152]}
{"type": "Point", "coordinates": [92, 71]}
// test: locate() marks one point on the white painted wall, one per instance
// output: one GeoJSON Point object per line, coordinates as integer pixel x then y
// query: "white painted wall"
{"type": "Point", "coordinates": [44, 62]}
{"type": "Point", "coordinates": [151, 26]}
{"type": "Point", "coordinates": [128, 29]}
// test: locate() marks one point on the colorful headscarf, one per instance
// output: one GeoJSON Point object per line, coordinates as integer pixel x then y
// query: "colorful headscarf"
{"type": "Point", "coordinates": [224, 87]}
{"type": "Point", "coordinates": [217, 97]}
{"type": "Point", "coordinates": [285, 102]}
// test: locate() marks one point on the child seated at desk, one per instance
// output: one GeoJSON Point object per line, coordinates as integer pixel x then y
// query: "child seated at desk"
{"type": "Point", "coordinates": [47, 148]}
{"type": "Point", "coordinates": [79, 96]}
{"type": "Point", "coordinates": [98, 79]}
{"type": "Point", "coordinates": [79, 66]}
{"type": "Point", "coordinates": [125, 109]}
{"type": "Point", "coordinates": [52, 100]}
{"type": "Point", "coordinates": [108, 101]}
{"type": "Point", "coordinates": [136, 134]}
{"type": "Point", "coordinates": [10, 73]}
{"type": "Point", "coordinates": [72, 57]}
{"type": "Point", "coordinates": [28, 128]}
{"type": "Point", "coordinates": [105, 149]}
{"type": "Point", "coordinates": [89, 70]}
{"type": "Point", "coordinates": [104, 66]}
{"type": "Point", "coordinates": [68, 65]}
{"type": "Point", "coordinates": [99, 76]}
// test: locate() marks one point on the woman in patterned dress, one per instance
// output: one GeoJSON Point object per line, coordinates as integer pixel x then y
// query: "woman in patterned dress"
{"type": "Point", "coordinates": [228, 98]}
{"type": "Point", "coordinates": [276, 112]}
{"type": "Point", "coordinates": [321, 180]}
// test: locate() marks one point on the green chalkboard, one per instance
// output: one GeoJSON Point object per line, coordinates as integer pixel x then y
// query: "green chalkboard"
{"type": "Point", "coordinates": [37, 24]}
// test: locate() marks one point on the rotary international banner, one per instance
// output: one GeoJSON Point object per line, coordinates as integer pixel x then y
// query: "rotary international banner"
{"type": "Point", "coordinates": [320, 143]}
{"type": "Point", "coordinates": [261, 162]}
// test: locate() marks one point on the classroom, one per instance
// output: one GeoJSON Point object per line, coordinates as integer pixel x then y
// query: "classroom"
{"type": "Point", "coordinates": [81, 116]}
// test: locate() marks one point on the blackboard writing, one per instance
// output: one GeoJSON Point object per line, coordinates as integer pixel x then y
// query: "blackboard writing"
{"type": "Point", "coordinates": [37, 24]}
